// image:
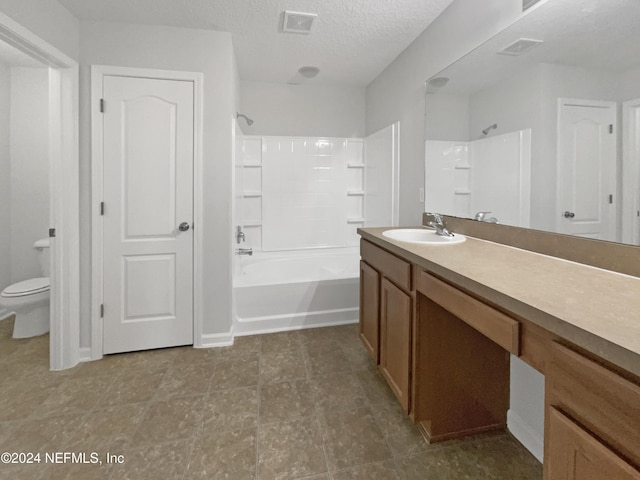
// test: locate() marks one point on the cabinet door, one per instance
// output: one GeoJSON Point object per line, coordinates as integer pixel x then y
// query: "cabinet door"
{"type": "Point", "coordinates": [370, 309]}
{"type": "Point", "coordinates": [573, 454]}
{"type": "Point", "coordinates": [395, 339]}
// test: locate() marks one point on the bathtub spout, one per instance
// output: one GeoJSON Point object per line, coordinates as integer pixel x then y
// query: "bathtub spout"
{"type": "Point", "coordinates": [244, 251]}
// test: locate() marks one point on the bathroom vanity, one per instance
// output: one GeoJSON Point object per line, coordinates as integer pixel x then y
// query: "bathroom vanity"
{"type": "Point", "coordinates": [442, 321]}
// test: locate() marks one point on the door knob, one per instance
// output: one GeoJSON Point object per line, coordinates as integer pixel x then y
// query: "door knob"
{"type": "Point", "coordinates": [183, 227]}
{"type": "Point", "coordinates": [569, 214]}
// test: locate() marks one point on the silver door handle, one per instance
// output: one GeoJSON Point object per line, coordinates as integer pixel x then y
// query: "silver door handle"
{"type": "Point", "coordinates": [183, 227]}
{"type": "Point", "coordinates": [569, 214]}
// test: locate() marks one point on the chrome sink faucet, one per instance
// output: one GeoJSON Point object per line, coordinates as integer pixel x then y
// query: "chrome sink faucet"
{"type": "Point", "coordinates": [438, 224]}
{"type": "Point", "coordinates": [482, 217]}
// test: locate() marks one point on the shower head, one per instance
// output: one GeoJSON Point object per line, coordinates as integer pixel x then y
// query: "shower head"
{"type": "Point", "coordinates": [489, 128]}
{"type": "Point", "coordinates": [247, 119]}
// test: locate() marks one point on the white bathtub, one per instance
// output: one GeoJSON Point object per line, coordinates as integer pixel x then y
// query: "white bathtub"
{"type": "Point", "coordinates": [293, 290]}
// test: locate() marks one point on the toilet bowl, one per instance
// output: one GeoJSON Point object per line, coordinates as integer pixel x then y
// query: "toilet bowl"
{"type": "Point", "coordinates": [29, 299]}
{"type": "Point", "coordinates": [30, 302]}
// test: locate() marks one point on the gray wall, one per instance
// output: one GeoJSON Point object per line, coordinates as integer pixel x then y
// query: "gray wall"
{"type": "Point", "coordinates": [5, 177]}
{"type": "Point", "coordinates": [29, 168]}
{"type": "Point", "coordinates": [303, 110]}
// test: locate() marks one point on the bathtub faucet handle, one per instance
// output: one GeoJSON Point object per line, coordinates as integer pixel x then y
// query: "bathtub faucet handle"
{"type": "Point", "coordinates": [239, 234]}
{"type": "Point", "coordinates": [244, 251]}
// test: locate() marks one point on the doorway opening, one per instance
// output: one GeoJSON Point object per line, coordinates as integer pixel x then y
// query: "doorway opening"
{"type": "Point", "coordinates": [61, 154]}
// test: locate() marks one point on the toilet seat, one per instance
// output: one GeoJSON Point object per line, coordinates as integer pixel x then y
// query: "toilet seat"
{"type": "Point", "coordinates": [27, 287]}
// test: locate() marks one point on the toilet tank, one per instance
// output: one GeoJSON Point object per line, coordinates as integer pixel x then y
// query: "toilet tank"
{"type": "Point", "coordinates": [42, 250]}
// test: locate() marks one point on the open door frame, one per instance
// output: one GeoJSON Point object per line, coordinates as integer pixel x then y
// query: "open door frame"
{"type": "Point", "coordinates": [64, 350]}
{"type": "Point", "coordinates": [631, 172]}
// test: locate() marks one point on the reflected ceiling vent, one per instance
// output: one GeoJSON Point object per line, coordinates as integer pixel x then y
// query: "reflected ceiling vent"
{"type": "Point", "coordinates": [438, 82]}
{"type": "Point", "coordinates": [298, 22]}
{"type": "Point", "coordinates": [309, 72]}
{"type": "Point", "coordinates": [520, 46]}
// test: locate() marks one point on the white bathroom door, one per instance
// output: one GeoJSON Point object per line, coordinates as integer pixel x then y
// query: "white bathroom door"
{"type": "Point", "coordinates": [148, 132]}
{"type": "Point", "coordinates": [587, 168]}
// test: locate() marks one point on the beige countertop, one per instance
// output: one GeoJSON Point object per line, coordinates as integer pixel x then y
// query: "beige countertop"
{"type": "Point", "coordinates": [596, 309]}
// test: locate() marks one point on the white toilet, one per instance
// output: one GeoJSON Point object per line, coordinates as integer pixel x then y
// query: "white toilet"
{"type": "Point", "coordinates": [29, 299]}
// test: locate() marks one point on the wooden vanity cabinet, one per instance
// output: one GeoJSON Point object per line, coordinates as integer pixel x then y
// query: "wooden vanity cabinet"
{"type": "Point", "coordinates": [386, 313]}
{"type": "Point", "coordinates": [370, 310]}
{"type": "Point", "coordinates": [395, 339]}
{"type": "Point", "coordinates": [592, 420]}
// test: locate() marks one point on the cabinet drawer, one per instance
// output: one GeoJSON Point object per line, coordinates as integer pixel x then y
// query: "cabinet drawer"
{"type": "Point", "coordinates": [392, 267]}
{"type": "Point", "coordinates": [603, 401]}
{"type": "Point", "coordinates": [493, 324]}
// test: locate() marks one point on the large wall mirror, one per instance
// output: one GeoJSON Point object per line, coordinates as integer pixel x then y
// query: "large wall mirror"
{"type": "Point", "coordinates": [540, 125]}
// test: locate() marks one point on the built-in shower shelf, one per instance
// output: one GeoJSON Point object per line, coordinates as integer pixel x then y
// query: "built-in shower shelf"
{"type": "Point", "coordinates": [251, 194]}
{"type": "Point", "coordinates": [252, 165]}
{"type": "Point", "coordinates": [355, 220]}
{"type": "Point", "coordinates": [355, 165]}
{"type": "Point", "coordinates": [355, 192]}
{"type": "Point", "coordinates": [462, 167]}
{"type": "Point", "coordinates": [460, 191]}
{"type": "Point", "coordinates": [252, 223]}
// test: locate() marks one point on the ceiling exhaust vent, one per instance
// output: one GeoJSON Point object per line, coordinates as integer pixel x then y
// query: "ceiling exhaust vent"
{"type": "Point", "coordinates": [298, 22]}
{"type": "Point", "coordinates": [519, 46]}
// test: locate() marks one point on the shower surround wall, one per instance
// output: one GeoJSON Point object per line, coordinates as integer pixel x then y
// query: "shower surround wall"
{"type": "Point", "coordinates": [491, 174]}
{"type": "Point", "coordinates": [299, 192]}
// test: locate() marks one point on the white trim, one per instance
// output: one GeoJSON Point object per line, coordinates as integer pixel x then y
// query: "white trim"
{"type": "Point", "coordinates": [84, 354]}
{"type": "Point", "coordinates": [526, 435]}
{"type": "Point", "coordinates": [98, 72]}
{"type": "Point", "coordinates": [631, 172]}
{"type": "Point", "coordinates": [65, 187]}
{"type": "Point", "coordinates": [209, 340]}
{"type": "Point", "coordinates": [395, 192]}
{"type": "Point", "coordinates": [286, 323]}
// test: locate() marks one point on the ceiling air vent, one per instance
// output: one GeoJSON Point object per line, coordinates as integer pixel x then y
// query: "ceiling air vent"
{"type": "Point", "coordinates": [520, 46]}
{"type": "Point", "coordinates": [297, 22]}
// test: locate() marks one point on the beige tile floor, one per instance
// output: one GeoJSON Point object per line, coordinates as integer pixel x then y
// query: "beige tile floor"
{"type": "Point", "coordinates": [295, 405]}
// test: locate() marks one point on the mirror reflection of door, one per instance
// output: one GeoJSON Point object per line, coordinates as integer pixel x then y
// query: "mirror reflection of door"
{"type": "Point", "coordinates": [587, 168]}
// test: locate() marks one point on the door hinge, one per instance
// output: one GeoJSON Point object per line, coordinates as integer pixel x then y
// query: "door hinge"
{"type": "Point", "coordinates": [102, 105]}
{"type": "Point", "coordinates": [102, 310]}
{"type": "Point", "coordinates": [610, 199]}
{"type": "Point", "coordinates": [611, 128]}
{"type": "Point", "coordinates": [52, 232]}
{"type": "Point", "coordinates": [101, 208]}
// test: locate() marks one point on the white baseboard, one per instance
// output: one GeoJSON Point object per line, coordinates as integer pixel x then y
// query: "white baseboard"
{"type": "Point", "coordinates": [525, 435]}
{"type": "Point", "coordinates": [216, 340]}
{"type": "Point", "coordinates": [281, 323]}
{"type": "Point", "coordinates": [275, 328]}
{"type": "Point", "coordinates": [84, 354]}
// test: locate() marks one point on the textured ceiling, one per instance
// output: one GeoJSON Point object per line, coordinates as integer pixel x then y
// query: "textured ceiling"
{"type": "Point", "coordinates": [351, 43]}
{"type": "Point", "coordinates": [594, 34]}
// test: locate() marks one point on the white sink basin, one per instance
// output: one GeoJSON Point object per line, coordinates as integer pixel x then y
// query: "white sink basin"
{"type": "Point", "coordinates": [422, 235]}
